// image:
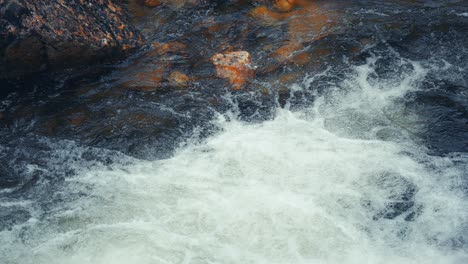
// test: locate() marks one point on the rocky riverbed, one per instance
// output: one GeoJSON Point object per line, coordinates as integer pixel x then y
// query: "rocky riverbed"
{"type": "Point", "coordinates": [238, 131]}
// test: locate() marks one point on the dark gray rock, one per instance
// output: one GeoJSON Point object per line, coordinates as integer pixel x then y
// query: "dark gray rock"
{"type": "Point", "coordinates": [53, 34]}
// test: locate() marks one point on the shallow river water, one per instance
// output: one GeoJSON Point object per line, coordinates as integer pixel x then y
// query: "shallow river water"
{"type": "Point", "coordinates": [360, 157]}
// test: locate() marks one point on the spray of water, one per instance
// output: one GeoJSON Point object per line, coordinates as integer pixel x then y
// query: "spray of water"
{"type": "Point", "coordinates": [342, 181]}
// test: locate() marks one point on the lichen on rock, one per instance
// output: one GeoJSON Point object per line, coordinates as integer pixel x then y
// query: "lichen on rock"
{"type": "Point", "coordinates": [52, 34]}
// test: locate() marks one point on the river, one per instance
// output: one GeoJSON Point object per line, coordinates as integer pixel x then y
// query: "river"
{"type": "Point", "coordinates": [360, 157]}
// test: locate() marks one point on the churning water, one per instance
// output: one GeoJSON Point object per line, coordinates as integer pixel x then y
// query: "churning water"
{"type": "Point", "coordinates": [344, 179]}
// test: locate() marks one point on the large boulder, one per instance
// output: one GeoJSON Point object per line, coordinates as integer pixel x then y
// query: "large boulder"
{"type": "Point", "coordinates": [52, 34]}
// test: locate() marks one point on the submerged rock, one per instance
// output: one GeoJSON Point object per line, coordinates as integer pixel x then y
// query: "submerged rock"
{"type": "Point", "coordinates": [179, 79]}
{"type": "Point", "coordinates": [284, 5]}
{"type": "Point", "coordinates": [151, 3]}
{"type": "Point", "coordinates": [52, 34]}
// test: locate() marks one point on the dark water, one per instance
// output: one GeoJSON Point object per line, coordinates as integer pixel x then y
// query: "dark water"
{"type": "Point", "coordinates": [352, 148]}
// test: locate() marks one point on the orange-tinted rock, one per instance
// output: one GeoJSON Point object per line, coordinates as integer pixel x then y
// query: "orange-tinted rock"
{"type": "Point", "coordinates": [235, 66]}
{"type": "Point", "coordinates": [266, 16]}
{"type": "Point", "coordinates": [179, 79]}
{"type": "Point", "coordinates": [151, 3]}
{"type": "Point", "coordinates": [307, 23]}
{"type": "Point", "coordinates": [284, 5]}
{"type": "Point", "coordinates": [150, 78]}
{"type": "Point", "coordinates": [146, 78]}
{"type": "Point", "coordinates": [302, 58]}
{"type": "Point", "coordinates": [154, 70]}
{"type": "Point", "coordinates": [162, 48]}
{"type": "Point", "coordinates": [287, 51]}
{"type": "Point", "coordinates": [289, 77]}
{"type": "Point", "coordinates": [178, 3]}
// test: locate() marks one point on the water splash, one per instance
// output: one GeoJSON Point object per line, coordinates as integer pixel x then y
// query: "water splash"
{"type": "Point", "coordinates": [341, 181]}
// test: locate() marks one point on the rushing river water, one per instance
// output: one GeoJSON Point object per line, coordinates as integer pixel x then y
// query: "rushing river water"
{"type": "Point", "coordinates": [360, 157]}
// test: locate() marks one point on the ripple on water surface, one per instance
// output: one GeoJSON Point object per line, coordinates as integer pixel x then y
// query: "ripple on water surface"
{"type": "Point", "coordinates": [341, 181]}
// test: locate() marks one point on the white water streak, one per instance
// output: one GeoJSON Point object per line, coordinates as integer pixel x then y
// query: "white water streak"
{"type": "Point", "coordinates": [306, 187]}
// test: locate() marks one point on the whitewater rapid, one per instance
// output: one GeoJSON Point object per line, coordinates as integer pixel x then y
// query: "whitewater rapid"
{"type": "Point", "coordinates": [344, 180]}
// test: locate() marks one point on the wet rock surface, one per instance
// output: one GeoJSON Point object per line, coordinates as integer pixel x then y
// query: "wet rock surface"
{"type": "Point", "coordinates": [238, 58]}
{"type": "Point", "coordinates": [145, 105]}
{"type": "Point", "coordinates": [49, 35]}
{"type": "Point", "coordinates": [244, 61]}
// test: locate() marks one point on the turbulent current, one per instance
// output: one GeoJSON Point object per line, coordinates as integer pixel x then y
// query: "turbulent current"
{"type": "Point", "coordinates": [340, 181]}
{"type": "Point", "coordinates": [361, 159]}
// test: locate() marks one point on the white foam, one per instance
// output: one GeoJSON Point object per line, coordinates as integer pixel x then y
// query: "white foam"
{"type": "Point", "coordinates": [306, 187]}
